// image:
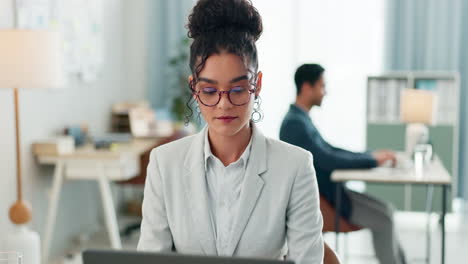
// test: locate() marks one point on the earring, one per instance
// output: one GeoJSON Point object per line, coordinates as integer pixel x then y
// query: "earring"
{"type": "Point", "coordinates": [197, 109]}
{"type": "Point", "coordinates": [257, 114]}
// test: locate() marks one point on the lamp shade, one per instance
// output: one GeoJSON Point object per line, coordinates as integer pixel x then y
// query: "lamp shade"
{"type": "Point", "coordinates": [417, 106]}
{"type": "Point", "coordinates": [31, 59]}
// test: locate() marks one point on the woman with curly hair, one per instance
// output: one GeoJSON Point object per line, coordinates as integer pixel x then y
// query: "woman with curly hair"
{"type": "Point", "coordinates": [229, 190]}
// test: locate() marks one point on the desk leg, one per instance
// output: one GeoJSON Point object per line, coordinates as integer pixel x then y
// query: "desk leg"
{"type": "Point", "coordinates": [444, 209]}
{"type": "Point", "coordinates": [429, 192]}
{"type": "Point", "coordinates": [337, 214]}
{"type": "Point", "coordinates": [52, 211]}
{"type": "Point", "coordinates": [109, 210]}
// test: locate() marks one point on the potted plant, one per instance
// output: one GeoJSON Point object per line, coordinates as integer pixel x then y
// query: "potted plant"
{"type": "Point", "coordinates": [179, 71]}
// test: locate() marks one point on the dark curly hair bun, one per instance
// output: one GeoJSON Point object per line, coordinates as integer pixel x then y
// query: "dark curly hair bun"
{"type": "Point", "coordinates": [224, 15]}
{"type": "Point", "coordinates": [218, 26]}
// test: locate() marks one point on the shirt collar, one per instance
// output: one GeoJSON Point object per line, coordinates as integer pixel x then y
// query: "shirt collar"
{"type": "Point", "coordinates": [208, 154]}
{"type": "Point", "coordinates": [298, 109]}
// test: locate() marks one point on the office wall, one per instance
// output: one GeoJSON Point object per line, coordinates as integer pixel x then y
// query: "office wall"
{"type": "Point", "coordinates": [136, 15]}
{"type": "Point", "coordinates": [346, 37]}
{"type": "Point", "coordinates": [43, 113]}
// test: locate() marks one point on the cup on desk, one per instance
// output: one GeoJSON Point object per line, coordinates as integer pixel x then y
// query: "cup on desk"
{"type": "Point", "coordinates": [422, 157]}
{"type": "Point", "coordinates": [425, 151]}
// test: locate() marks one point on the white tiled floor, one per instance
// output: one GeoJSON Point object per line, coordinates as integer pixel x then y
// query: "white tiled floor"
{"type": "Point", "coordinates": [411, 229]}
{"type": "Point", "coordinates": [412, 234]}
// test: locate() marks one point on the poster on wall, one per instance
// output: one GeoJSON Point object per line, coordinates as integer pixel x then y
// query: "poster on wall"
{"type": "Point", "coordinates": [79, 21]}
{"type": "Point", "coordinates": [33, 14]}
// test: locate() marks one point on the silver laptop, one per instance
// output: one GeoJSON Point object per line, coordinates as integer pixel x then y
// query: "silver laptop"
{"type": "Point", "coordinates": [133, 257]}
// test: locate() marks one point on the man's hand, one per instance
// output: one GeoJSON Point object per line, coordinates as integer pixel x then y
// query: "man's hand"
{"type": "Point", "coordinates": [384, 156]}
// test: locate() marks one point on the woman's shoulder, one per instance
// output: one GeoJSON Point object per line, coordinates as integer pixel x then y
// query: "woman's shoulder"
{"type": "Point", "coordinates": [286, 150]}
{"type": "Point", "coordinates": [176, 147]}
{"type": "Point", "coordinates": [285, 161]}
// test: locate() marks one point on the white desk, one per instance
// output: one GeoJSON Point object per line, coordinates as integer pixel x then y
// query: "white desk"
{"type": "Point", "coordinates": [104, 166]}
{"type": "Point", "coordinates": [432, 174]}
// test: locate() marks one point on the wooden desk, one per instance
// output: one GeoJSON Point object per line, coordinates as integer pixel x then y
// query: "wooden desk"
{"type": "Point", "coordinates": [432, 174]}
{"type": "Point", "coordinates": [103, 166]}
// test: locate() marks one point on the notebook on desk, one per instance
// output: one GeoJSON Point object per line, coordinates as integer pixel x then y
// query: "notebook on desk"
{"type": "Point", "coordinates": [130, 257]}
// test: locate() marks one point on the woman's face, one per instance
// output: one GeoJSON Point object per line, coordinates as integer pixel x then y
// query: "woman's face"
{"type": "Point", "coordinates": [226, 72]}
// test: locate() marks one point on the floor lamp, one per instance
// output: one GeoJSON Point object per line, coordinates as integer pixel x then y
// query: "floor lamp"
{"type": "Point", "coordinates": [28, 59]}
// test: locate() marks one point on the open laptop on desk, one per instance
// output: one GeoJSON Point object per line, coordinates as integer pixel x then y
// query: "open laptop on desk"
{"type": "Point", "coordinates": [131, 257]}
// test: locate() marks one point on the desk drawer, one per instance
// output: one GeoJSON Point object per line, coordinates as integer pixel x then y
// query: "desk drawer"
{"type": "Point", "coordinates": [114, 170]}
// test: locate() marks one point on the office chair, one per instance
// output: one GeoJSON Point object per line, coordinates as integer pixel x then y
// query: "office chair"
{"type": "Point", "coordinates": [328, 214]}
{"type": "Point", "coordinates": [329, 256]}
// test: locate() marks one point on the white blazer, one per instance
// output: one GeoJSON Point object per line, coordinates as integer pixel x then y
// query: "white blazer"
{"type": "Point", "coordinates": [279, 202]}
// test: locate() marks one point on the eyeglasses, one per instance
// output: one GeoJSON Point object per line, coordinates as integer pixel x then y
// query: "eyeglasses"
{"type": "Point", "coordinates": [238, 95]}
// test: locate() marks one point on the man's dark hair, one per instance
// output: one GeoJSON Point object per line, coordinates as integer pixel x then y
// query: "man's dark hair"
{"type": "Point", "coordinates": [307, 73]}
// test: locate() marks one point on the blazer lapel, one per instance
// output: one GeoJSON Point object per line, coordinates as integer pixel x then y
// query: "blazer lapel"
{"type": "Point", "coordinates": [197, 194]}
{"type": "Point", "coordinates": [252, 188]}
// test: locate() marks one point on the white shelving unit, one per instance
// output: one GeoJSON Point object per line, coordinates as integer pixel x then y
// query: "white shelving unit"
{"type": "Point", "coordinates": [383, 102]}
{"type": "Point", "coordinates": [383, 95]}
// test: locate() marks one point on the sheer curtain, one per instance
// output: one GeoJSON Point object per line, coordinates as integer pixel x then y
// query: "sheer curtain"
{"type": "Point", "coordinates": [432, 35]}
{"type": "Point", "coordinates": [346, 37]}
{"type": "Point", "coordinates": [167, 20]}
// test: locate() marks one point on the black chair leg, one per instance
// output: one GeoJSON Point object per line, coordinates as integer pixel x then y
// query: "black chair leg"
{"type": "Point", "coordinates": [128, 230]}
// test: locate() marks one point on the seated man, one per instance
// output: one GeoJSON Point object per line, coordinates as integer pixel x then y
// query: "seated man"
{"type": "Point", "coordinates": [359, 209]}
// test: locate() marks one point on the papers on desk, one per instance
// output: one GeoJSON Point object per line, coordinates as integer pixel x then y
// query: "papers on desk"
{"type": "Point", "coordinates": [107, 140]}
{"type": "Point", "coordinates": [403, 162]}
{"type": "Point", "coordinates": [433, 173]}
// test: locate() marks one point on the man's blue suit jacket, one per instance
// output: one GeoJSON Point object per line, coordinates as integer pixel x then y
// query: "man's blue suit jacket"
{"type": "Point", "coordinates": [297, 129]}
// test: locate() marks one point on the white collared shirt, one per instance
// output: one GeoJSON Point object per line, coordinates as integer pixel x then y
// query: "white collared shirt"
{"type": "Point", "coordinates": [224, 184]}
